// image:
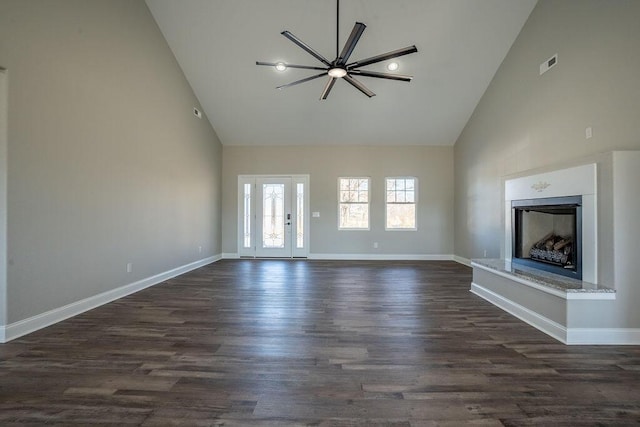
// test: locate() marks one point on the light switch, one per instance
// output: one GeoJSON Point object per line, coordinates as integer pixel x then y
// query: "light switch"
{"type": "Point", "coordinates": [315, 214]}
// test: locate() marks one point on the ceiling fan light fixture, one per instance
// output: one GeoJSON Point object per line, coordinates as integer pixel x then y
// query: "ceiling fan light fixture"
{"type": "Point", "coordinates": [337, 72]}
{"type": "Point", "coordinates": [340, 67]}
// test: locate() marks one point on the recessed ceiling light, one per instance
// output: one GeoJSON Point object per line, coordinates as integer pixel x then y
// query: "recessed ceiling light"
{"type": "Point", "coordinates": [393, 66]}
{"type": "Point", "coordinates": [337, 72]}
{"type": "Point", "coordinates": [281, 66]}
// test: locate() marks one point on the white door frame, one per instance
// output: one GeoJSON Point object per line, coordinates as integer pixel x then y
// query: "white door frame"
{"type": "Point", "coordinates": [247, 243]}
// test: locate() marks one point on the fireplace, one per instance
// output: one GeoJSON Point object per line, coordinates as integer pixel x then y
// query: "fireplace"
{"type": "Point", "coordinates": [547, 234]}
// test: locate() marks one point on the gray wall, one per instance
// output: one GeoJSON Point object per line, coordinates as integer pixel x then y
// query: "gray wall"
{"type": "Point", "coordinates": [526, 121]}
{"type": "Point", "coordinates": [107, 163]}
{"type": "Point", "coordinates": [3, 194]}
{"type": "Point", "coordinates": [433, 166]}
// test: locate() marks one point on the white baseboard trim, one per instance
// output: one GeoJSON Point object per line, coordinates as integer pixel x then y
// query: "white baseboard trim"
{"type": "Point", "coordinates": [39, 321]}
{"type": "Point", "coordinates": [461, 260]}
{"type": "Point", "coordinates": [534, 319]}
{"type": "Point", "coordinates": [369, 257]}
{"type": "Point", "coordinates": [230, 256]}
{"type": "Point", "coordinates": [569, 336]}
{"type": "Point", "coordinates": [380, 257]}
{"type": "Point", "coordinates": [603, 336]}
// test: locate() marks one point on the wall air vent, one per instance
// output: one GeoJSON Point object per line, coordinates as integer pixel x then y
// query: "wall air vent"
{"type": "Point", "coordinates": [546, 65]}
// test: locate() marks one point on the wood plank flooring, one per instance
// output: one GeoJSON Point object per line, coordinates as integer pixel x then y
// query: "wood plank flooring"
{"type": "Point", "coordinates": [322, 343]}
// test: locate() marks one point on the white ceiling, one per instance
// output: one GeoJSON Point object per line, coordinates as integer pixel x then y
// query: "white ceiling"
{"type": "Point", "coordinates": [461, 44]}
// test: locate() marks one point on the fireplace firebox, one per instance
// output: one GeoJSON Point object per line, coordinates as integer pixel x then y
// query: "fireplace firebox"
{"type": "Point", "coordinates": [547, 234]}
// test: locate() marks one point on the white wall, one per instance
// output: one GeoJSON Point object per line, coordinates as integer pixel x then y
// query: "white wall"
{"type": "Point", "coordinates": [433, 166]}
{"type": "Point", "coordinates": [107, 163]}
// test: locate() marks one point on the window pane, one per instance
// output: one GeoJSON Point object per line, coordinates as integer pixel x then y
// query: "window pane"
{"type": "Point", "coordinates": [410, 197]}
{"type": "Point", "coordinates": [300, 215]}
{"type": "Point", "coordinates": [410, 184]}
{"type": "Point", "coordinates": [401, 216]}
{"type": "Point", "coordinates": [354, 215]}
{"type": "Point", "coordinates": [246, 232]}
{"type": "Point", "coordinates": [391, 196]}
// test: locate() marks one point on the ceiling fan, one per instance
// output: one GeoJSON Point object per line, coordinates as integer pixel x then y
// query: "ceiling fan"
{"type": "Point", "coordinates": [340, 68]}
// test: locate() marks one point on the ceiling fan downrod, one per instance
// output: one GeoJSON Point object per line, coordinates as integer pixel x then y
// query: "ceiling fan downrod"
{"type": "Point", "coordinates": [337, 27]}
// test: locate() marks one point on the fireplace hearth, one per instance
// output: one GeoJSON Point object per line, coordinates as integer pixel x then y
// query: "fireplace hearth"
{"type": "Point", "coordinates": [547, 234]}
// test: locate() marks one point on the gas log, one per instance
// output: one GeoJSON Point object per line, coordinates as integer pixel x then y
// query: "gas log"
{"type": "Point", "coordinates": [554, 249]}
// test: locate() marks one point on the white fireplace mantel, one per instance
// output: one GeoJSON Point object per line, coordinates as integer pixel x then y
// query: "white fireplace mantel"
{"type": "Point", "coordinates": [576, 181]}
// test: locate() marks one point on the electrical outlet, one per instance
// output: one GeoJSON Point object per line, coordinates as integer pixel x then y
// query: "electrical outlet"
{"type": "Point", "coordinates": [375, 245]}
{"type": "Point", "coordinates": [588, 133]}
{"type": "Point", "coordinates": [199, 249]}
{"type": "Point", "coordinates": [129, 267]}
{"type": "Point", "coordinates": [485, 253]}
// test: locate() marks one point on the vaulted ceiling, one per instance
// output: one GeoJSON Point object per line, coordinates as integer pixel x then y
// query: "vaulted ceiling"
{"type": "Point", "coordinates": [461, 44]}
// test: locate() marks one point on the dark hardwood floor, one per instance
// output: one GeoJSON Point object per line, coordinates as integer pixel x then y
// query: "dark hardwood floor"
{"type": "Point", "coordinates": [273, 342]}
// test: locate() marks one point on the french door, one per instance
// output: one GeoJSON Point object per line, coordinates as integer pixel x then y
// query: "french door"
{"type": "Point", "coordinates": [273, 216]}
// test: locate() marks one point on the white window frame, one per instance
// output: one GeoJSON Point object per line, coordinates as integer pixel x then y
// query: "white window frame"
{"type": "Point", "coordinates": [414, 203]}
{"type": "Point", "coordinates": [368, 203]}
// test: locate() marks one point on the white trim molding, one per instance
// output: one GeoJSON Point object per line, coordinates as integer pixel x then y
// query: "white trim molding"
{"type": "Point", "coordinates": [229, 255]}
{"type": "Point", "coordinates": [381, 257]}
{"type": "Point", "coordinates": [603, 336]}
{"type": "Point", "coordinates": [569, 336]}
{"type": "Point", "coordinates": [364, 257]}
{"type": "Point", "coordinates": [462, 260]}
{"type": "Point", "coordinates": [42, 320]}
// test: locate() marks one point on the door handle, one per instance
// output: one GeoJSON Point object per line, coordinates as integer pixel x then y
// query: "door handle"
{"type": "Point", "coordinates": [288, 219]}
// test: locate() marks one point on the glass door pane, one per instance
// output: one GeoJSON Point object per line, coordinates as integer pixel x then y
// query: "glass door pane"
{"type": "Point", "coordinates": [274, 217]}
{"type": "Point", "coordinates": [273, 224]}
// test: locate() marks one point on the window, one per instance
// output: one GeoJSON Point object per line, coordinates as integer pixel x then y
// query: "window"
{"type": "Point", "coordinates": [300, 215]}
{"type": "Point", "coordinates": [401, 203]}
{"type": "Point", "coordinates": [246, 216]}
{"type": "Point", "coordinates": [353, 209]}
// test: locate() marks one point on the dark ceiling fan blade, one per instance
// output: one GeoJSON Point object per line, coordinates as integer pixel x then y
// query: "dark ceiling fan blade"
{"type": "Point", "coordinates": [356, 33]}
{"type": "Point", "coordinates": [306, 79]}
{"type": "Point", "coordinates": [381, 75]}
{"type": "Point", "coordinates": [362, 88]}
{"type": "Point", "coordinates": [305, 67]}
{"type": "Point", "coordinates": [328, 87]}
{"type": "Point", "coordinates": [383, 57]}
{"type": "Point", "coordinates": [307, 48]}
